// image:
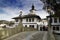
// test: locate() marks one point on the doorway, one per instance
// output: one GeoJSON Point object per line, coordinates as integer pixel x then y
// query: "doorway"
{"type": "Point", "coordinates": [43, 28]}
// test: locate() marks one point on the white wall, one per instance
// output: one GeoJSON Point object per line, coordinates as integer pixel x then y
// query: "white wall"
{"type": "Point", "coordinates": [23, 20]}
{"type": "Point", "coordinates": [53, 23]}
{"type": "Point", "coordinates": [35, 25]}
{"type": "Point", "coordinates": [35, 21]}
{"type": "Point", "coordinates": [30, 23]}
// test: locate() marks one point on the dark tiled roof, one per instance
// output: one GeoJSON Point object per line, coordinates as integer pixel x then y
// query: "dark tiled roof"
{"type": "Point", "coordinates": [28, 16]}
{"type": "Point", "coordinates": [17, 18]}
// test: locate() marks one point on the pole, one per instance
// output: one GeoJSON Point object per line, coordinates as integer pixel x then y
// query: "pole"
{"type": "Point", "coordinates": [49, 28]}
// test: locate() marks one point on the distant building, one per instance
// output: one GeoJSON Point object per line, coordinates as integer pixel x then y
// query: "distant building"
{"type": "Point", "coordinates": [3, 25]}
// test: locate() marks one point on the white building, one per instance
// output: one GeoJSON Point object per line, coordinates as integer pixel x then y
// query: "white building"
{"type": "Point", "coordinates": [43, 25]}
{"type": "Point", "coordinates": [29, 20]}
{"type": "Point", "coordinates": [55, 22]}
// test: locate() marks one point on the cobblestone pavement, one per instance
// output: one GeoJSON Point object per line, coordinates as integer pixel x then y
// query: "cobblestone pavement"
{"type": "Point", "coordinates": [33, 35]}
{"type": "Point", "coordinates": [57, 37]}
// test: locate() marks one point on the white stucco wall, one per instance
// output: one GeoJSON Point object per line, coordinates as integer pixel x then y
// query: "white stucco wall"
{"type": "Point", "coordinates": [35, 25]}
{"type": "Point", "coordinates": [23, 20]}
{"type": "Point", "coordinates": [53, 23]}
{"type": "Point", "coordinates": [30, 23]}
{"type": "Point", "coordinates": [35, 21]}
{"type": "Point", "coordinates": [56, 24]}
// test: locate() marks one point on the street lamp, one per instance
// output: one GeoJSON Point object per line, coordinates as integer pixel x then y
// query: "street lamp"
{"type": "Point", "coordinates": [51, 12]}
{"type": "Point", "coordinates": [49, 23]}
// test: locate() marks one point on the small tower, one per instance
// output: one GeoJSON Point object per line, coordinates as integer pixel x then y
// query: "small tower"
{"type": "Point", "coordinates": [33, 7]}
{"type": "Point", "coordinates": [32, 11]}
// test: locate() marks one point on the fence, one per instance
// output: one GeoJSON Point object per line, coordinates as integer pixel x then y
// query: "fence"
{"type": "Point", "coordinates": [7, 32]}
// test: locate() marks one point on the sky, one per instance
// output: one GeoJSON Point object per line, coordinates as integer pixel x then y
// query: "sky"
{"type": "Point", "coordinates": [11, 8]}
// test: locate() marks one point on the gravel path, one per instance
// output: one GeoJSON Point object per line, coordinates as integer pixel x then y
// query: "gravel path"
{"type": "Point", "coordinates": [32, 35]}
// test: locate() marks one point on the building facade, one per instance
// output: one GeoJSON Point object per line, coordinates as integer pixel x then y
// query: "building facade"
{"type": "Point", "coordinates": [29, 20]}
{"type": "Point", "coordinates": [55, 23]}
{"type": "Point", "coordinates": [54, 20]}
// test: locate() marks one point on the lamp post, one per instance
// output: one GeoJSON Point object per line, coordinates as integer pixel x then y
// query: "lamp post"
{"type": "Point", "coordinates": [49, 24]}
{"type": "Point", "coordinates": [50, 21]}
{"type": "Point", "coordinates": [49, 11]}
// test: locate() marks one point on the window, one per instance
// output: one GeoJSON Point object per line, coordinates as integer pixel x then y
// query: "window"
{"type": "Point", "coordinates": [53, 27]}
{"type": "Point", "coordinates": [25, 25]}
{"type": "Point", "coordinates": [16, 20]}
{"type": "Point", "coordinates": [41, 28]}
{"type": "Point", "coordinates": [59, 20]}
{"type": "Point", "coordinates": [57, 28]}
{"type": "Point", "coordinates": [31, 26]}
{"type": "Point", "coordinates": [32, 19]}
{"type": "Point", "coordinates": [29, 19]}
{"type": "Point", "coordinates": [55, 20]}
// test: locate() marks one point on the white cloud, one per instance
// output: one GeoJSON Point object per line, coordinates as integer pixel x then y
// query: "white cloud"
{"type": "Point", "coordinates": [42, 13]}
{"type": "Point", "coordinates": [9, 13]}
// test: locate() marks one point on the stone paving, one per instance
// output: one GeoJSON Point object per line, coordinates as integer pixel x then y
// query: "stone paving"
{"type": "Point", "coordinates": [57, 37]}
{"type": "Point", "coordinates": [40, 36]}
{"type": "Point", "coordinates": [32, 35]}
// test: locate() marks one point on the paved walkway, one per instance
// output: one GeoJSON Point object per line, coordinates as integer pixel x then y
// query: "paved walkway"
{"type": "Point", "coordinates": [32, 35]}
{"type": "Point", "coordinates": [57, 37]}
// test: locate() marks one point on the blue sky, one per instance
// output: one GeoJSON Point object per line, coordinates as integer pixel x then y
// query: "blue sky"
{"type": "Point", "coordinates": [11, 8]}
